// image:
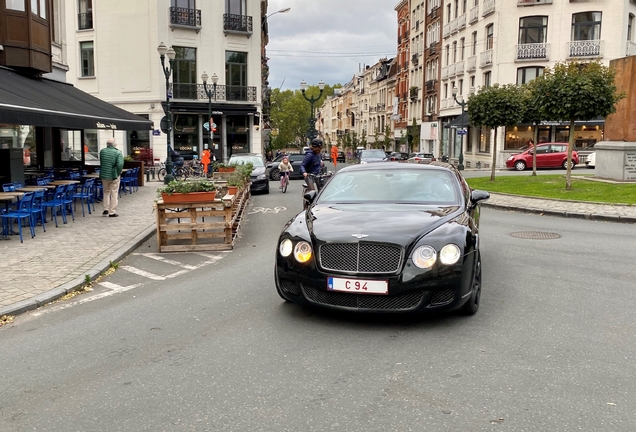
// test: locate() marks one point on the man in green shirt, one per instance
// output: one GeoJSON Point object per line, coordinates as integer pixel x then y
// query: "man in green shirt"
{"type": "Point", "coordinates": [111, 163]}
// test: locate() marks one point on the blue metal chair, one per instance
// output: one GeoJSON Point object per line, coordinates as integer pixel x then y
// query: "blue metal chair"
{"type": "Point", "coordinates": [86, 195]}
{"type": "Point", "coordinates": [8, 187]}
{"type": "Point", "coordinates": [68, 199]}
{"type": "Point", "coordinates": [22, 214]}
{"type": "Point", "coordinates": [38, 211]}
{"type": "Point", "coordinates": [57, 203]}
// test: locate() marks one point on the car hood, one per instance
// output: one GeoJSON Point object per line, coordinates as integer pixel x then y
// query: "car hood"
{"type": "Point", "coordinates": [369, 160]}
{"type": "Point", "coordinates": [401, 224]}
{"type": "Point", "coordinates": [258, 171]}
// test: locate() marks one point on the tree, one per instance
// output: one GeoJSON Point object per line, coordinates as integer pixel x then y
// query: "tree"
{"type": "Point", "coordinates": [493, 107]}
{"type": "Point", "coordinates": [363, 139]}
{"type": "Point", "coordinates": [576, 91]}
{"type": "Point", "coordinates": [386, 142]}
{"type": "Point", "coordinates": [415, 137]}
{"type": "Point", "coordinates": [532, 115]}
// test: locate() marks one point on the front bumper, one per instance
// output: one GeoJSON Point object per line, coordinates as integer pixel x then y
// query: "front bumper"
{"type": "Point", "coordinates": [408, 292]}
{"type": "Point", "coordinates": [259, 185]}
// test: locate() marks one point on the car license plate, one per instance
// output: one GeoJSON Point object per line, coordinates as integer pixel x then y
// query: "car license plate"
{"type": "Point", "coordinates": [358, 286]}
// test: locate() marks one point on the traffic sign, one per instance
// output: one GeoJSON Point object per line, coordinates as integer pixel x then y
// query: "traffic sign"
{"type": "Point", "coordinates": [165, 125]}
{"type": "Point", "coordinates": [461, 132]}
{"type": "Point", "coordinates": [206, 125]}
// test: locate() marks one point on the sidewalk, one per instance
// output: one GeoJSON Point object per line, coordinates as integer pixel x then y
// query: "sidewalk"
{"type": "Point", "coordinates": [55, 263]}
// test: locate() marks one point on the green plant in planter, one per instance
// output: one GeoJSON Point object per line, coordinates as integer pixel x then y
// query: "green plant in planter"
{"type": "Point", "coordinates": [185, 186]}
{"type": "Point", "coordinates": [245, 170]}
{"type": "Point", "coordinates": [226, 165]}
{"type": "Point", "coordinates": [128, 159]}
{"type": "Point", "coordinates": [236, 179]}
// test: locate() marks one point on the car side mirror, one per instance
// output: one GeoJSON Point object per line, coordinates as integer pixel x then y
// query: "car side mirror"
{"type": "Point", "coordinates": [310, 196]}
{"type": "Point", "coordinates": [478, 195]}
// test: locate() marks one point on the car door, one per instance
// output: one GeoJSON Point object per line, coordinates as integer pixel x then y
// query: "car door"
{"type": "Point", "coordinates": [296, 160]}
{"type": "Point", "coordinates": [543, 156]}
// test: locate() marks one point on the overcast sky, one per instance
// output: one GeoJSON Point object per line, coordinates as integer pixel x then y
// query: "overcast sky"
{"type": "Point", "coordinates": [327, 39]}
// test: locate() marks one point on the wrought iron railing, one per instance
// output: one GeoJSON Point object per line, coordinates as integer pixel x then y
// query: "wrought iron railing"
{"type": "Point", "coordinates": [471, 63]}
{"type": "Point", "coordinates": [631, 48]}
{"type": "Point", "coordinates": [485, 58]}
{"type": "Point", "coordinates": [474, 15]}
{"type": "Point", "coordinates": [489, 7]}
{"type": "Point", "coordinates": [585, 48]}
{"type": "Point", "coordinates": [532, 2]}
{"type": "Point", "coordinates": [237, 23]}
{"type": "Point", "coordinates": [444, 72]}
{"type": "Point", "coordinates": [459, 67]}
{"type": "Point", "coordinates": [533, 51]}
{"type": "Point", "coordinates": [85, 21]}
{"type": "Point", "coordinates": [221, 93]}
{"type": "Point", "coordinates": [185, 16]}
{"type": "Point", "coordinates": [461, 22]}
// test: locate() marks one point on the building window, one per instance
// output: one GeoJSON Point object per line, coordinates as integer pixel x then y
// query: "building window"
{"type": "Point", "coordinates": [85, 15]}
{"type": "Point", "coordinates": [586, 26]}
{"type": "Point", "coordinates": [236, 7]}
{"type": "Point", "coordinates": [38, 7]}
{"type": "Point", "coordinates": [630, 26]}
{"type": "Point", "coordinates": [17, 5]}
{"type": "Point", "coordinates": [533, 29]}
{"type": "Point", "coordinates": [474, 50]}
{"type": "Point", "coordinates": [186, 135]}
{"type": "Point", "coordinates": [447, 55]}
{"type": "Point", "coordinates": [88, 59]}
{"type": "Point", "coordinates": [487, 79]}
{"type": "Point", "coordinates": [527, 74]}
{"type": "Point", "coordinates": [472, 82]}
{"type": "Point", "coordinates": [461, 48]}
{"type": "Point", "coordinates": [490, 36]}
{"type": "Point", "coordinates": [455, 52]}
{"type": "Point", "coordinates": [184, 73]}
{"type": "Point", "coordinates": [185, 4]}
{"type": "Point", "coordinates": [236, 75]}
{"type": "Point", "coordinates": [56, 22]}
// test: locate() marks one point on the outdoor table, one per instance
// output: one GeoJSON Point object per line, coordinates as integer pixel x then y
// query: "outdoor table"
{"type": "Point", "coordinates": [34, 188]}
{"type": "Point", "coordinates": [64, 182]}
{"type": "Point", "coordinates": [91, 175]}
{"type": "Point", "coordinates": [8, 197]}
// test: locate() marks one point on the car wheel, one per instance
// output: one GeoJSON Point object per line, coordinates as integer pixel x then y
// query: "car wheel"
{"type": "Point", "coordinates": [520, 165]}
{"type": "Point", "coordinates": [275, 175]}
{"type": "Point", "coordinates": [565, 165]}
{"type": "Point", "coordinates": [472, 305]}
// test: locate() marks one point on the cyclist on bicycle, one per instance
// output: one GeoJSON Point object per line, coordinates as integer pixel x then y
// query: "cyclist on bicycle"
{"type": "Point", "coordinates": [312, 163]}
{"type": "Point", "coordinates": [177, 159]}
{"type": "Point", "coordinates": [285, 168]}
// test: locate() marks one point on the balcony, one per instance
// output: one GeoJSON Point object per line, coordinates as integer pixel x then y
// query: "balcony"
{"type": "Point", "coordinates": [453, 26]}
{"type": "Point", "coordinates": [430, 86]}
{"type": "Point", "coordinates": [532, 2]}
{"type": "Point", "coordinates": [445, 72]}
{"type": "Point", "coordinates": [185, 18]}
{"type": "Point", "coordinates": [474, 15]}
{"type": "Point", "coordinates": [533, 51]}
{"type": "Point", "coordinates": [459, 68]}
{"type": "Point", "coordinates": [485, 58]}
{"type": "Point", "coordinates": [431, 50]}
{"type": "Point", "coordinates": [631, 48]}
{"type": "Point", "coordinates": [471, 64]}
{"type": "Point", "coordinates": [415, 59]}
{"type": "Point", "coordinates": [585, 48]}
{"type": "Point", "coordinates": [443, 104]}
{"type": "Point", "coordinates": [85, 21]}
{"type": "Point", "coordinates": [489, 7]}
{"type": "Point", "coordinates": [413, 93]}
{"type": "Point", "coordinates": [237, 24]}
{"type": "Point", "coordinates": [451, 70]}
{"type": "Point", "coordinates": [223, 93]}
{"type": "Point", "coordinates": [381, 107]}
{"type": "Point", "coordinates": [446, 31]}
{"type": "Point", "coordinates": [433, 12]}
{"type": "Point", "coordinates": [461, 22]}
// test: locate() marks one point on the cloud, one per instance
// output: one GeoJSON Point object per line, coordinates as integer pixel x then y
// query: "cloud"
{"type": "Point", "coordinates": [327, 40]}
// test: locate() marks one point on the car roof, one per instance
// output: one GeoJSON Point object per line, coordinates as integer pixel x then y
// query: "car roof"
{"type": "Point", "coordinates": [397, 165]}
{"type": "Point", "coordinates": [245, 154]}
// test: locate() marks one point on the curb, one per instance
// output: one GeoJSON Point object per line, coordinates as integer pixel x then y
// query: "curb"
{"type": "Point", "coordinates": [563, 214]}
{"type": "Point", "coordinates": [77, 283]}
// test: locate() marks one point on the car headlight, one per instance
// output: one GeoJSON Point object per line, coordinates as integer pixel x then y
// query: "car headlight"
{"type": "Point", "coordinates": [286, 247]}
{"type": "Point", "coordinates": [363, 162]}
{"type": "Point", "coordinates": [424, 257]}
{"type": "Point", "coordinates": [510, 158]}
{"type": "Point", "coordinates": [261, 177]}
{"type": "Point", "coordinates": [449, 254]}
{"type": "Point", "coordinates": [302, 252]}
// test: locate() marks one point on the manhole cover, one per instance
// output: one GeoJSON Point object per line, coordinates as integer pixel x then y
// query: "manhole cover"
{"type": "Point", "coordinates": [535, 235]}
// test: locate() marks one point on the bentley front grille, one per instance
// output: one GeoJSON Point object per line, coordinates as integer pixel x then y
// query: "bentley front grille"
{"type": "Point", "coordinates": [371, 302]}
{"type": "Point", "coordinates": [443, 297]}
{"type": "Point", "coordinates": [360, 257]}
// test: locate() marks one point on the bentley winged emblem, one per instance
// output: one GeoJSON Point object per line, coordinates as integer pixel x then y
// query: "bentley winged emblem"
{"type": "Point", "coordinates": [359, 236]}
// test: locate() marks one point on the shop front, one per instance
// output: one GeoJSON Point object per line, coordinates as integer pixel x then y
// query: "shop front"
{"type": "Point", "coordinates": [586, 134]}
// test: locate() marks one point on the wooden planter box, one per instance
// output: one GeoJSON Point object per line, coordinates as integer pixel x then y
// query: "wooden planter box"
{"type": "Point", "coordinates": [192, 197]}
{"type": "Point", "coordinates": [140, 174]}
{"type": "Point", "coordinates": [200, 226]}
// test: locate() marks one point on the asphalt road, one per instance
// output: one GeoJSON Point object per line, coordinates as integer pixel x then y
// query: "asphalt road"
{"type": "Point", "coordinates": [184, 342]}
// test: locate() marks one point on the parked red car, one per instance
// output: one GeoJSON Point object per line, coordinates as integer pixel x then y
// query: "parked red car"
{"type": "Point", "coordinates": [549, 155]}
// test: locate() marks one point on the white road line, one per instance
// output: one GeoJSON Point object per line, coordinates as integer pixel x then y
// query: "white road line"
{"type": "Point", "coordinates": [143, 273]}
{"type": "Point", "coordinates": [114, 289]}
{"type": "Point", "coordinates": [167, 261]}
{"type": "Point", "coordinates": [207, 255]}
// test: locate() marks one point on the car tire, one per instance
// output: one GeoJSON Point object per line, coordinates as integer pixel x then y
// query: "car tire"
{"type": "Point", "coordinates": [472, 305]}
{"type": "Point", "coordinates": [520, 165]}
{"type": "Point", "coordinates": [564, 165]}
{"type": "Point", "coordinates": [275, 174]}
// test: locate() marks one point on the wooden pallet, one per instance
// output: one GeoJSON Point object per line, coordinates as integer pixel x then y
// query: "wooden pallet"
{"type": "Point", "coordinates": [211, 226]}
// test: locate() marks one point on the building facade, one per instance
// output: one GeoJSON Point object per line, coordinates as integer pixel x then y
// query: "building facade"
{"type": "Point", "coordinates": [113, 55]}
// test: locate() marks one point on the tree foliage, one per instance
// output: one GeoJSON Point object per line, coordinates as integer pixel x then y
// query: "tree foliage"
{"type": "Point", "coordinates": [493, 107]}
{"type": "Point", "coordinates": [290, 113]}
{"type": "Point", "coordinates": [575, 91]}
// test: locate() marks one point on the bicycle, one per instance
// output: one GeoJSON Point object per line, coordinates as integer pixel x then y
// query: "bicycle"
{"type": "Point", "coordinates": [178, 173]}
{"type": "Point", "coordinates": [284, 182]}
{"type": "Point", "coordinates": [319, 181]}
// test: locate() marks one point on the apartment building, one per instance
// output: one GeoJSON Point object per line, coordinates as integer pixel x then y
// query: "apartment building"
{"type": "Point", "coordinates": [402, 98]}
{"type": "Point", "coordinates": [112, 54]}
{"type": "Point", "coordinates": [512, 41]}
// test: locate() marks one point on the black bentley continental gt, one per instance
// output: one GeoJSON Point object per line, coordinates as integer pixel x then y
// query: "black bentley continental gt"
{"type": "Point", "coordinates": [387, 237]}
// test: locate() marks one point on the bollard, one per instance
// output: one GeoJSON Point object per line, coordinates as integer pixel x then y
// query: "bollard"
{"type": "Point", "coordinates": [147, 175]}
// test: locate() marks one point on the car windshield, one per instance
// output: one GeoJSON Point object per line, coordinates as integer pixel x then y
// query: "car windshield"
{"type": "Point", "coordinates": [257, 161]}
{"type": "Point", "coordinates": [400, 186]}
{"type": "Point", "coordinates": [373, 154]}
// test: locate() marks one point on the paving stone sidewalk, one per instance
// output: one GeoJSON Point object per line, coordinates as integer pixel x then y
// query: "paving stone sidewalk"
{"type": "Point", "coordinates": [56, 262]}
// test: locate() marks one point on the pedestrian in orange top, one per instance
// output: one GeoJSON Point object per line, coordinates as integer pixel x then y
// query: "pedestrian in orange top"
{"type": "Point", "coordinates": [334, 155]}
{"type": "Point", "coordinates": [205, 160]}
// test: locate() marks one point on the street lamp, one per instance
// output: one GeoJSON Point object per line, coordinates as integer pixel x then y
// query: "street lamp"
{"type": "Point", "coordinates": [204, 78]}
{"type": "Point", "coordinates": [311, 131]}
{"type": "Point", "coordinates": [463, 132]}
{"type": "Point", "coordinates": [167, 71]}
{"type": "Point", "coordinates": [284, 10]}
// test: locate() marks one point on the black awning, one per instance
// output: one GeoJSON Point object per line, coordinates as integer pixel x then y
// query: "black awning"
{"type": "Point", "coordinates": [202, 108]}
{"type": "Point", "coordinates": [36, 101]}
{"type": "Point", "coordinates": [461, 121]}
